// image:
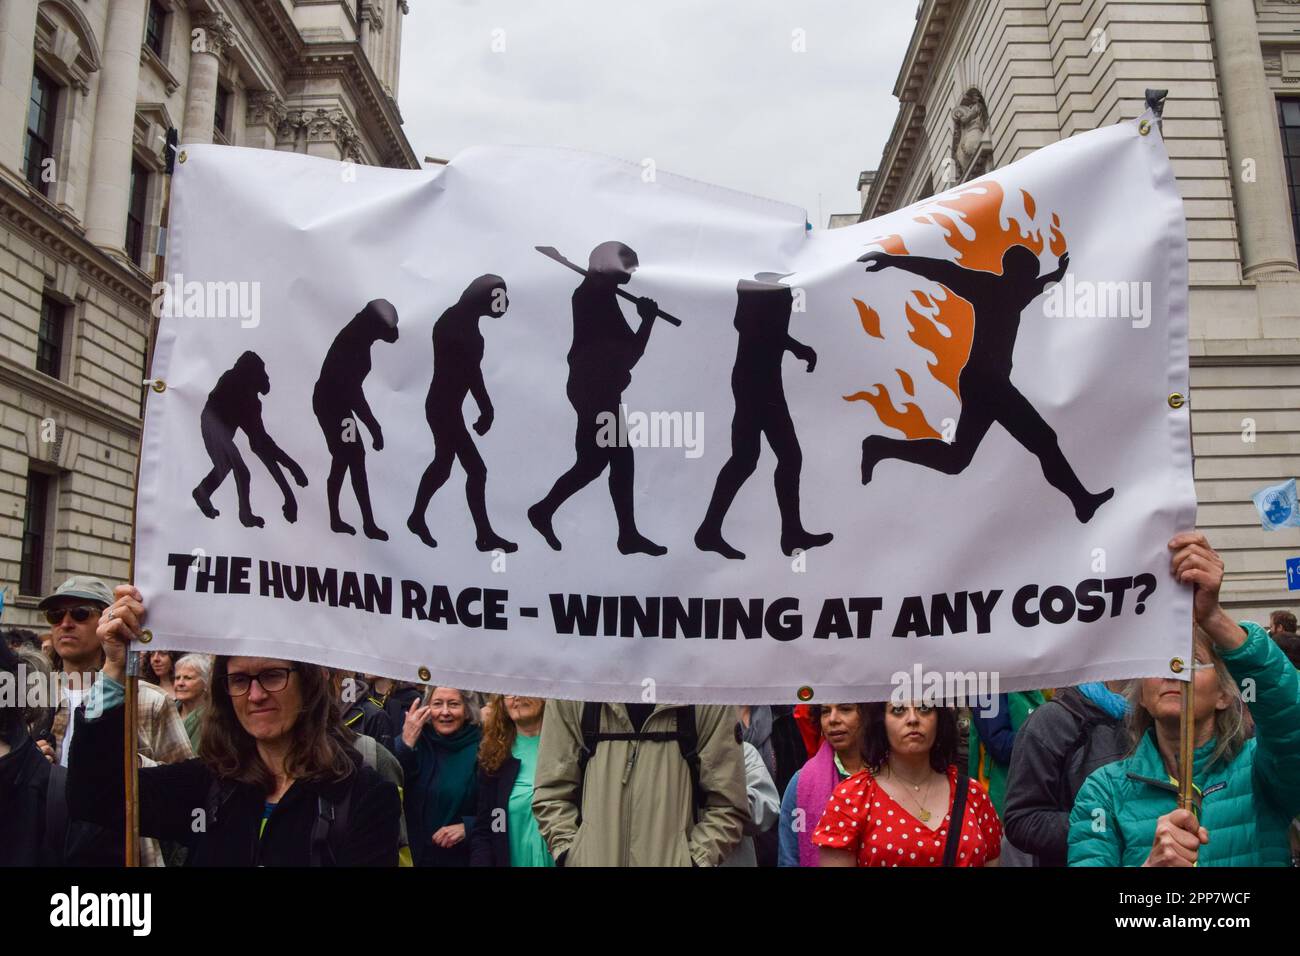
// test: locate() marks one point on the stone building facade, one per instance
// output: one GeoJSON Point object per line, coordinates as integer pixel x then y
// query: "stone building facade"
{"type": "Point", "coordinates": [88, 90]}
{"type": "Point", "coordinates": [984, 82]}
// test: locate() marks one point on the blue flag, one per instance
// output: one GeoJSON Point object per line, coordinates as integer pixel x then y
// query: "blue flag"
{"type": "Point", "coordinates": [1277, 506]}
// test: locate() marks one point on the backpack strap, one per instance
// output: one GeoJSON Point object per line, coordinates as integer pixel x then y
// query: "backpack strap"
{"type": "Point", "coordinates": [688, 740]}
{"type": "Point", "coordinates": [366, 745]}
{"type": "Point", "coordinates": [957, 816]}
{"type": "Point", "coordinates": [56, 814]}
{"type": "Point", "coordinates": [591, 736]}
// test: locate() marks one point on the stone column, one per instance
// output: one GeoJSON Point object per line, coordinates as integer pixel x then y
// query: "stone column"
{"type": "Point", "coordinates": [205, 65]}
{"type": "Point", "coordinates": [17, 30]}
{"type": "Point", "coordinates": [1250, 122]}
{"type": "Point", "coordinates": [110, 166]}
{"type": "Point", "coordinates": [266, 111]}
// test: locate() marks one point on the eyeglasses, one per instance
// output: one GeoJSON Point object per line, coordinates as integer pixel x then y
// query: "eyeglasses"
{"type": "Point", "coordinates": [79, 613]}
{"type": "Point", "coordinates": [271, 680]}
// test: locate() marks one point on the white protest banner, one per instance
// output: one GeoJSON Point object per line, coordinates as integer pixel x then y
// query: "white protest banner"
{"type": "Point", "coordinates": [538, 423]}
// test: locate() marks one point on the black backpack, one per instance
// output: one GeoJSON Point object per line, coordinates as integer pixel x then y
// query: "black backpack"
{"type": "Point", "coordinates": [686, 735]}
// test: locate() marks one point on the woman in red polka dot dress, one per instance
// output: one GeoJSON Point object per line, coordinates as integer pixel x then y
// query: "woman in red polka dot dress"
{"type": "Point", "coordinates": [898, 811]}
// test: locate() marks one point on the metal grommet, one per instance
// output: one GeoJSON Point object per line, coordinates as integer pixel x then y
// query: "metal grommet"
{"type": "Point", "coordinates": [181, 157]}
{"type": "Point", "coordinates": [1144, 127]}
{"type": "Point", "coordinates": [159, 385]}
{"type": "Point", "coordinates": [145, 636]}
{"type": "Point", "coordinates": [804, 693]}
{"type": "Point", "coordinates": [425, 674]}
{"type": "Point", "coordinates": [1176, 400]}
{"type": "Point", "coordinates": [1176, 665]}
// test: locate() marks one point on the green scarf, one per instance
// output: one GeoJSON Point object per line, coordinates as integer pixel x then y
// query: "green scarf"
{"type": "Point", "coordinates": [447, 795]}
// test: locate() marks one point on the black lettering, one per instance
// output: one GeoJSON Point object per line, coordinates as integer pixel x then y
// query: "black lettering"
{"type": "Point", "coordinates": [610, 615]}
{"type": "Point", "coordinates": [180, 565]}
{"type": "Point", "coordinates": [239, 568]}
{"type": "Point", "coordinates": [833, 620]}
{"type": "Point", "coordinates": [633, 616]}
{"type": "Point", "coordinates": [1116, 587]}
{"type": "Point", "coordinates": [983, 604]}
{"type": "Point", "coordinates": [864, 608]}
{"type": "Point", "coordinates": [676, 617]}
{"type": "Point", "coordinates": [736, 616]}
{"type": "Point", "coordinates": [574, 611]}
{"type": "Point", "coordinates": [783, 626]}
{"type": "Point", "coordinates": [911, 618]}
{"type": "Point", "coordinates": [269, 579]}
{"type": "Point", "coordinates": [350, 592]}
{"type": "Point", "coordinates": [295, 582]}
{"type": "Point", "coordinates": [465, 602]}
{"type": "Point", "coordinates": [949, 613]}
{"type": "Point", "coordinates": [205, 575]}
{"type": "Point", "coordinates": [1091, 604]}
{"type": "Point", "coordinates": [440, 608]}
{"type": "Point", "coordinates": [413, 598]}
{"type": "Point", "coordinates": [494, 609]}
{"type": "Point", "coordinates": [379, 594]}
{"type": "Point", "coordinates": [712, 609]}
{"type": "Point", "coordinates": [322, 588]}
{"type": "Point", "coordinates": [1020, 612]}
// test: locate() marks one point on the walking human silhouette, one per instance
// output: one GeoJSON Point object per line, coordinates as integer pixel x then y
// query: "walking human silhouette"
{"type": "Point", "coordinates": [984, 385]}
{"type": "Point", "coordinates": [601, 359]}
{"type": "Point", "coordinates": [457, 372]}
{"type": "Point", "coordinates": [338, 397]}
{"type": "Point", "coordinates": [235, 403]}
{"type": "Point", "coordinates": [763, 307]}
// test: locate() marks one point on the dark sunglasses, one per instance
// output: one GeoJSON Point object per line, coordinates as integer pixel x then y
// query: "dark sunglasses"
{"type": "Point", "coordinates": [272, 679]}
{"type": "Point", "coordinates": [79, 613]}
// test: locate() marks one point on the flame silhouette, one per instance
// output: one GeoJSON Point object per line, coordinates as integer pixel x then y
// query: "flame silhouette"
{"type": "Point", "coordinates": [978, 230]}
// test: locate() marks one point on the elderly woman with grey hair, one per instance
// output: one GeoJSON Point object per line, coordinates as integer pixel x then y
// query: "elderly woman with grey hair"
{"type": "Point", "coordinates": [1246, 789]}
{"type": "Point", "coordinates": [192, 680]}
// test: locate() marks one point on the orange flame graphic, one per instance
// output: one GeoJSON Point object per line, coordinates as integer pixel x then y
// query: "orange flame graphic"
{"type": "Point", "coordinates": [979, 231]}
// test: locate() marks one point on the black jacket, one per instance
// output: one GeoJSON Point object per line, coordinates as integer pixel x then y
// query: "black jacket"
{"type": "Point", "coordinates": [490, 845]}
{"type": "Point", "coordinates": [24, 785]}
{"type": "Point", "coordinates": [174, 798]}
{"type": "Point", "coordinates": [1056, 748]}
{"type": "Point", "coordinates": [368, 716]}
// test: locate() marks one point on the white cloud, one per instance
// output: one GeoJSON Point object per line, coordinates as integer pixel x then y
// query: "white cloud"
{"type": "Point", "coordinates": [711, 90]}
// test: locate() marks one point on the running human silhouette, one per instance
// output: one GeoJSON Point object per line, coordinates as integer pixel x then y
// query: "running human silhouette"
{"type": "Point", "coordinates": [235, 403]}
{"type": "Point", "coordinates": [601, 359]}
{"type": "Point", "coordinates": [338, 400]}
{"type": "Point", "coordinates": [457, 372]}
{"type": "Point", "coordinates": [763, 307]}
{"type": "Point", "coordinates": [985, 388]}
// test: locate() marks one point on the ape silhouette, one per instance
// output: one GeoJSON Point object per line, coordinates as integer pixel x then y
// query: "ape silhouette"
{"type": "Point", "coordinates": [457, 372]}
{"type": "Point", "coordinates": [986, 392]}
{"type": "Point", "coordinates": [233, 404]}
{"type": "Point", "coordinates": [338, 396]}
{"type": "Point", "coordinates": [601, 359]}
{"type": "Point", "coordinates": [763, 307]}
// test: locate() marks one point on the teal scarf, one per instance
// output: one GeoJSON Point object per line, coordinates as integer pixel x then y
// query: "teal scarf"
{"type": "Point", "coordinates": [447, 795]}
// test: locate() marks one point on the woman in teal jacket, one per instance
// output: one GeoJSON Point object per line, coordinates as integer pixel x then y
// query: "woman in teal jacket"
{"type": "Point", "coordinates": [1126, 813]}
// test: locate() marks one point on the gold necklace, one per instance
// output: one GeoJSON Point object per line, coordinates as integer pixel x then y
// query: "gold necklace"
{"type": "Point", "coordinates": [923, 814]}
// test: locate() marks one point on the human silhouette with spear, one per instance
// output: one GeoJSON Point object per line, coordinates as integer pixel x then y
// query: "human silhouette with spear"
{"type": "Point", "coordinates": [601, 359]}
{"type": "Point", "coordinates": [984, 386]}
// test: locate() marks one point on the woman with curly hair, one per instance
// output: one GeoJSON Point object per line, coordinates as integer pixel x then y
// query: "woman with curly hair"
{"type": "Point", "coordinates": [911, 805]}
{"type": "Point", "coordinates": [505, 830]}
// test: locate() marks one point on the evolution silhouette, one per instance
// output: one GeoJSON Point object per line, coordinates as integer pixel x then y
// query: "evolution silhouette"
{"type": "Point", "coordinates": [601, 359]}
{"type": "Point", "coordinates": [763, 307]}
{"type": "Point", "coordinates": [338, 396]}
{"type": "Point", "coordinates": [985, 388]}
{"type": "Point", "coordinates": [235, 403]}
{"type": "Point", "coordinates": [457, 372]}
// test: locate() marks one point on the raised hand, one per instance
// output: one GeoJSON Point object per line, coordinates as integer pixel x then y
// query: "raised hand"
{"type": "Point", "coordinates": [416, 717]}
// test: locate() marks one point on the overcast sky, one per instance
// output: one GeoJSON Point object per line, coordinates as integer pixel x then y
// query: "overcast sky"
{"type": "Point", "coordinates": [712, 89]}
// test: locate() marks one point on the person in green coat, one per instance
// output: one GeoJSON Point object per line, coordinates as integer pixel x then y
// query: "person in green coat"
{"type": "Point", "coordinates": [191, 680]}
{"type": "Point", "coordinates": [992, 737]}
{"type": "Point", "coordinates": [1126, 813]}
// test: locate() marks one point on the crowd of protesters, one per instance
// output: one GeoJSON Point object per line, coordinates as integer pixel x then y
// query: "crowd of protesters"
{"type": "Point", "coordinates": [249, 761]}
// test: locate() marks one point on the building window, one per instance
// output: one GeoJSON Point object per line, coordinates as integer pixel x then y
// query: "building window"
{"type": "Point", "coordinates": [36, 524]}
{"type": "Point", "coordinates": [49, 338]}
{"type": "Point", "coordinates": [135, 212]}
{"type": "Point", "coordinates": [153, 28]}
{"type": "Point", "coordinates": [223, 109]}
{"type": "Point", "coordinates": [40, 130]}
{"type": "Point", "coordinates": [1288, 115]}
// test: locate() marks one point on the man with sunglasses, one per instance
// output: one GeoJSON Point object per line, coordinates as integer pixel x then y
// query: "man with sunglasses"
{"type": "Point", "coordinates": [73, 612]}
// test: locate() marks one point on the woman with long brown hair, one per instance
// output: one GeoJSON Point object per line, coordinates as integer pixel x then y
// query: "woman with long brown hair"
{"type": "Point", "coordinates": [277, 785]}
{"type": "Point", "coordinates": [505, 830]}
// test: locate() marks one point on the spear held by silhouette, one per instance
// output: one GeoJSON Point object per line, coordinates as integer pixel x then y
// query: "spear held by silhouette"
{"type": "Point", "coordinates": [552, 253]}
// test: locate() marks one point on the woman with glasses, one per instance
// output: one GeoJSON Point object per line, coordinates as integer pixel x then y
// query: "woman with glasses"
{"type": "Point", "coordinates": [438, 751]}
{"type": "Point", "coordinates": [910, 805]}
{"type": "Point", "coordinates": [277, 785]}
{"type": "Point", "coordinates": [505, 831]}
